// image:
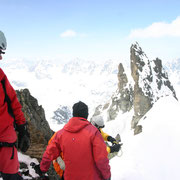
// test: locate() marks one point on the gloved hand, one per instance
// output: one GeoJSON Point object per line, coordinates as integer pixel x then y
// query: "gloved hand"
{"type": "Point", "coordinates": [23, 137]}
{"type": "Point", "coordinates": [112, 140]}
{"type": "Point", "coordinates": [115, 148]}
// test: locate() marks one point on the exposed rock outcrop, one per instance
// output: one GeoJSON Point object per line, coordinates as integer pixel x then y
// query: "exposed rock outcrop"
{"type": "Point", "coordinates": [38, 126]}
{"type": "Point", "coordinates": [142, 101]}
{"type": "Point", "coordinates": [150, 83]}
{"type": "Point", "coordinates": [39, 129]}
{"type": "Point", "coordinates": [125, 90]}
{"type": "Point", "coordinates": [122, 100]}
{"type": "Point", "coordinates": [139, 91]}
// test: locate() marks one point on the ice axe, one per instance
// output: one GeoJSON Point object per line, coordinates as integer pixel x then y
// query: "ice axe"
{"type": "Point", "coordinates": [118, 141]}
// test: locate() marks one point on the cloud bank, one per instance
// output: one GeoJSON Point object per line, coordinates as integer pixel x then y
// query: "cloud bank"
{"type": "Point", "coordinates": [158, 29]}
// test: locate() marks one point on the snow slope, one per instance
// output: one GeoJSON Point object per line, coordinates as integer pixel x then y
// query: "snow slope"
{"type": "Point", "coordinates": [153, 154]}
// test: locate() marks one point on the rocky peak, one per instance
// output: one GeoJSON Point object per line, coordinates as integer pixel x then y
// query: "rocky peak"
{"type": "Point", "coordinates": [149, 75]}
{"type": "Point", "coordinates": [121, 100]}
{"type": "Point", "coordinates": [124, 90]}
{"type": "Point", "coordinates": [138, 58]}
{"type": "Point", "coordinates": [141, 72]}
{"type": "Point", "coordinates": [149, 83]}
{"type": "Point", "coordinates": [122, 77]}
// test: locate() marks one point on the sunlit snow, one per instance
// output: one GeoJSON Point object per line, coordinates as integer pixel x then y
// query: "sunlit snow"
{"type": "Point", "coordinates": [150, 155]}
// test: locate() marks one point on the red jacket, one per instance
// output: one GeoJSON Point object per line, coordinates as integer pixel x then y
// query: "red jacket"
{"type": "Point", "coordinates": [84, 151]}
{"type": "Point", "coordinates": [7, 132]}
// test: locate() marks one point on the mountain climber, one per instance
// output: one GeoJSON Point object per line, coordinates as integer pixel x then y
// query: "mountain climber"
{"type": "Point", "coordinates": [10, 114]}
{"type": "Point", "coordinates": [98, 122]}
{"type": "Point", "coordinates": [83, 148]}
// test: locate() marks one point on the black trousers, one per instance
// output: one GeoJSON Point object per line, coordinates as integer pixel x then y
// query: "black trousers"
{"type": "Point", "coordinates": [16, 176]}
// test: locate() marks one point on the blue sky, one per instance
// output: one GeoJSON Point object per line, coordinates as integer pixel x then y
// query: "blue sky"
{"type": "Point", "coordinates": [90, 29]}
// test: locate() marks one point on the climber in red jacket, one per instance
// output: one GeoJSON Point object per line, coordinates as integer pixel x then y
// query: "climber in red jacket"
{"type": "Point", "coordinates": [10, 114]}
{"type": "Point", "coordinates": [83, 148]}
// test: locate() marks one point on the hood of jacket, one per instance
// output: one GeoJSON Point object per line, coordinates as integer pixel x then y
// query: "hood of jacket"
{"type": "Point", "coordinates": [75, 124]}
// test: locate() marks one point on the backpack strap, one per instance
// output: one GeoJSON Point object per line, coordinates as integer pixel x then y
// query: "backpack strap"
{"type": "Point", "coordinates": [6, 144]}
{"type": "Point", "coordinates": [7, 99]}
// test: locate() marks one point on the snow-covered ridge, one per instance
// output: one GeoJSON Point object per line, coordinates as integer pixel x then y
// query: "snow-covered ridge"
{"type": "Point", "coordinates": [153, 154]}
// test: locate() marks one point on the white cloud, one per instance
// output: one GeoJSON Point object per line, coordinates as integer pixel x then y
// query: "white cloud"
{"type": "Point", "coordinates": [158, 29]}
{"type": "Point", "coordinates": [68, 33]}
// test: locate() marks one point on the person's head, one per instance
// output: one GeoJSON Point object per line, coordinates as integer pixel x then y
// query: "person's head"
{"type": "Point", "coordinates": [98, 121]}
{"type": "Point", "coordinates": [80, 109]}
{"type": "Point", "coordinates": [3, 44]}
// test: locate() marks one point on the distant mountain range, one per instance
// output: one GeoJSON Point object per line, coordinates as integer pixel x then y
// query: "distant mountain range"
{"type": "Point", "coordinates": [59, 85]}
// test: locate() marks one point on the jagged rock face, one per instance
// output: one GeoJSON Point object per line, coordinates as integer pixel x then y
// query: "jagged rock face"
{"type": "Point", "coordinates": [100, 109]}
{"type": "Point", "coordinates": [151, 83]}
{"type": "Point", "coordinates": [122, 78]}
{"type": "Point", "coordinates": [121, 99]}
{"type": "Point", "coordinates": [140, 64]}
{"type": "Point", "coordinates": [162, 78]}
{"type": "Point", "coordinates": [125, 90]}
{"type": "Point", "coordinates": [39, 129]}
{"type": "Point", "coordinates": [114, 107]}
